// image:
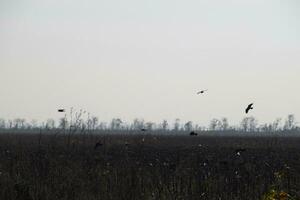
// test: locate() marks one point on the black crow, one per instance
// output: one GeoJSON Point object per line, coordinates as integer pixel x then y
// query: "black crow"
{"type": "Point", "coordinates": [193, 133]}
{"type": "Point", "coordinates": [249, 108]}
{"type": "Point", "coordinates": [143, 129]}
{"type": "Point", "coordinates": [61, 110]}
{"type": "Point", "coordinates": [201, 91]}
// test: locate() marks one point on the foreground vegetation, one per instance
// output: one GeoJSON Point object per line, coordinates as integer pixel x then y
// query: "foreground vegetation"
{"type": "Point", "coordinates": [105, 166]}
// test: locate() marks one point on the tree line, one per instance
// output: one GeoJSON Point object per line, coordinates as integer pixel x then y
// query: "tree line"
{"type": "Point", "coordinates": [77, 121]}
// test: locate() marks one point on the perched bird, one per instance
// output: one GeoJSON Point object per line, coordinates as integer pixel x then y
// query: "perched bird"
{"type": "Point", "coordinates": [193, 133]}
{"type": "Point", "coordinates": [61, 110]}
{"type": "Point", "coordinates": [249, 108]}
{"type": "Point", "coordinates": [201, 91]}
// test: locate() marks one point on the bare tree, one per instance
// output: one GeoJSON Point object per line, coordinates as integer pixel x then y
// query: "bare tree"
{"type": "Point", "coordinates": [249, 124]}
{"type": "Point", "coordinates": [34, 123]}
{"type": "Point", "coordinates": [23, 123]}
{"type": "Point", "coordinates": [138, 124]}
{"type": "Point", "coordinates": [198, 127]}
{"type": "Point", "coordinates": [116, 124]}
{"type": "Point", "coordinates": [18, 123]}
{"type": "Point", "coordinates": [164, 125]}
{"type": "Point", "coordinates": [95, 122]}
{"type": "Point", "coordinates": [290, 122]}
{"type": "Point", "coordinates": [275, 124]}
{"type": "Point", "coordinates": [265, 127]}
{"type": "Point", "coordinates": [224, 124]}
{"type": "Point", "coordinates": [2, 123]}
{"type": "Point", "coordinates": [149, 125]}
{"type": "Point", "coordinates": [252, 124]}
{"type": "Point", "coordinates": [63, 123]}
{"type": "Point", "coordinates": [215, 124]}
{"type": "Point", "coordinates": [102, 126]}
{"type": "Point", "coordinates": [50, 124]}
{"type": "Point", "coordinates": [10, 124]}
{"type": "Point", "coordinates": [177, 124]}
{"type": "Point", "coordinates": [188, 126]}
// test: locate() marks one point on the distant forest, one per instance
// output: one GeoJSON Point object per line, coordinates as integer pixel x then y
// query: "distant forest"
{"type": "Point", "coordinates": [81, 121]}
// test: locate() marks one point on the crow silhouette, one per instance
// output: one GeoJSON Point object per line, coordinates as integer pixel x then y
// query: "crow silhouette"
{"type": "Point", "coordinates": [249, 108]}
{"type": "Point", "coordinates": [193, 133]}
{"type": "Point", "coordinates": [201, 91]}
{"type": "Point", "coordinates": [61, 110]}
{"type": "Point", "coordinates": [143, 129]}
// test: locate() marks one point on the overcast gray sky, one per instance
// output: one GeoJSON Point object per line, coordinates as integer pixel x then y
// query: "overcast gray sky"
{"type": "Point", "coordinates": [148, 58]}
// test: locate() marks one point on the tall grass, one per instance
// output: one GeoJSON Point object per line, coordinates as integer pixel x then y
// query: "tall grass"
{"type": "Point", "coordinates": [153, 166]}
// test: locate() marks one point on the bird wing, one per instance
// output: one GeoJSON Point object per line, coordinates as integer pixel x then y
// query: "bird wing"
{"type": "Point", "coordinates": [249, 107]}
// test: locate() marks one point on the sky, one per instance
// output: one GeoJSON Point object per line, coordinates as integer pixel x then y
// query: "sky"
{"type": "Point", "coordinates": [147, 59]}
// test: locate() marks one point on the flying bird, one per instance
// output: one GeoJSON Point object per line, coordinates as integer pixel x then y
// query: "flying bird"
{"type": "Point", "coordinates": [201, 91]}
{"type": "Point", "coordinates": [61, 110]}
{"type": "Point", "coordinates": [249, 108]}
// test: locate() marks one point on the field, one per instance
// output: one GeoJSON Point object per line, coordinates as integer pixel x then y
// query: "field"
{"type": "Point", "coordinates": [50, 166]}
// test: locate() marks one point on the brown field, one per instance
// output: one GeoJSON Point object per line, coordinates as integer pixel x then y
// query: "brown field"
{"type": "Point", "coordinates": [56, 166]}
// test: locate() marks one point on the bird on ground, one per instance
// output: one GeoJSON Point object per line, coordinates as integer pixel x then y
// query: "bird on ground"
{"type": "Point", "coordinates": [239, 151]}
{"type": "Point", "coordinates": [250, 106]}
{"type": "Point", "coordinates": [61, 110]}
{"type": "Point", "coordinates": [193, 133]}
{"type": "Point", "coordinates": [201, 91]}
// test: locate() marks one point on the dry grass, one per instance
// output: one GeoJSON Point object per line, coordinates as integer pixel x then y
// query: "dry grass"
{"type": "Point", "coordinates": [34, 166]}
